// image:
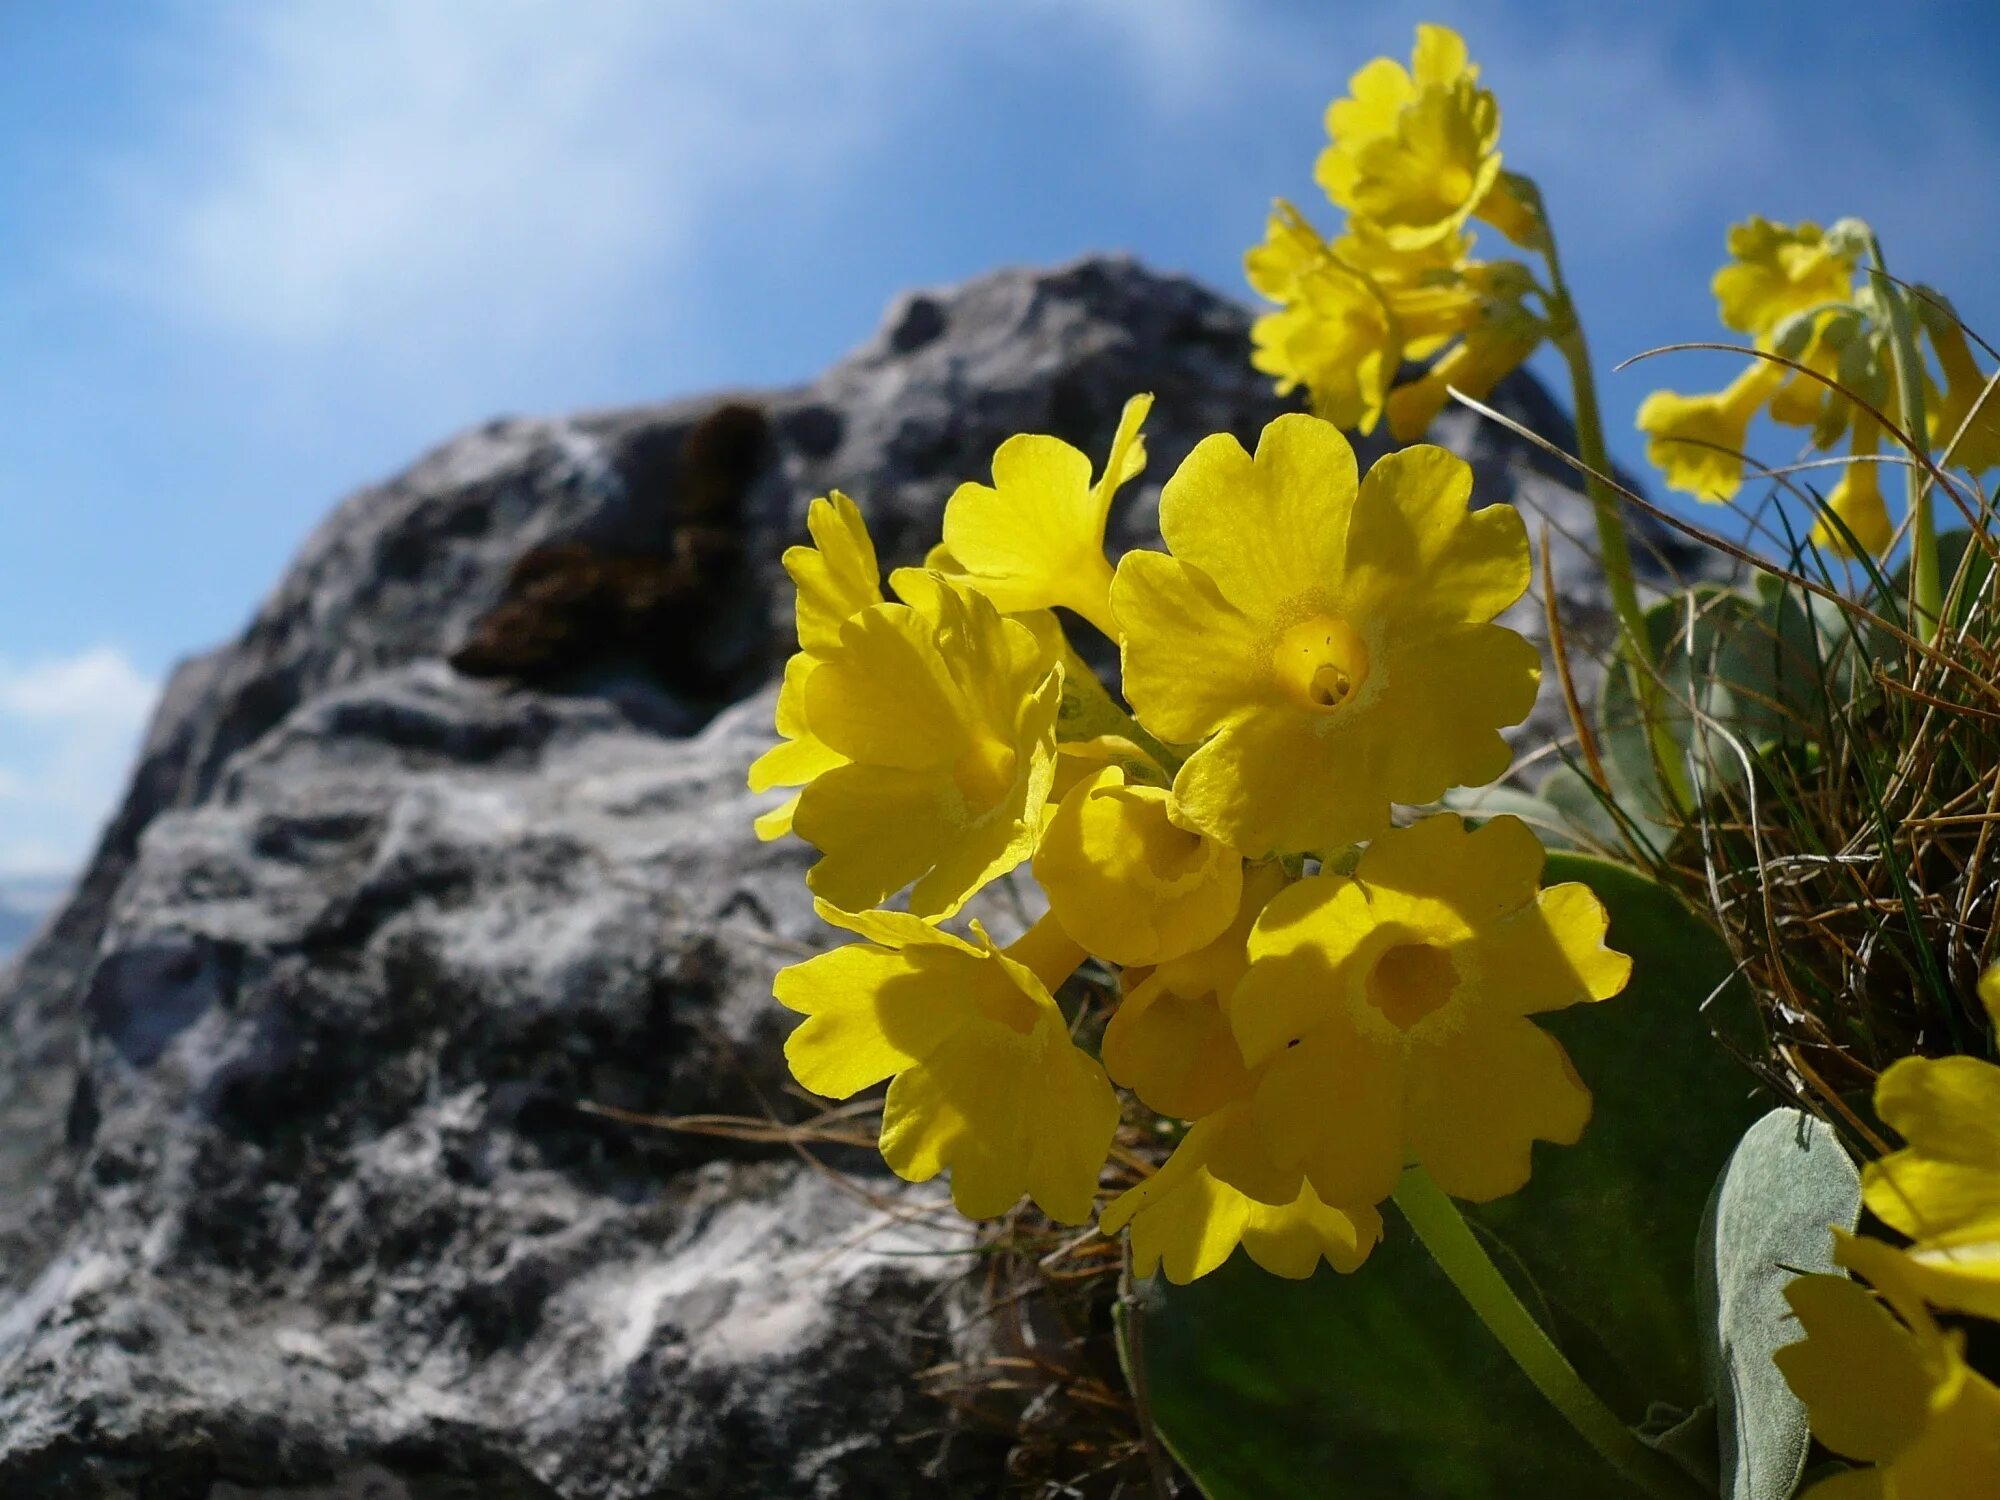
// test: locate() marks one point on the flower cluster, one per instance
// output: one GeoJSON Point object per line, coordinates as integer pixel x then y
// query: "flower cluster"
{"type": "Point", "coordinates": [1312, 647]}
{"type": "Point", "coordinates": [1801, 294]}
{"type": "Point", "coordinates": [1882, 1381]}
{"type": "Point", "coordinates": [1413, 158]}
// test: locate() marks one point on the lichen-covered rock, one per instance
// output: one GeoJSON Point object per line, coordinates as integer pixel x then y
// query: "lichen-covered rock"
{"type": "Point", "coordinates": [298, 1195]}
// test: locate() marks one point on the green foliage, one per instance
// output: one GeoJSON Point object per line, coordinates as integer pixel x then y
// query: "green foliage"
{"type": "Point", "coordinates": [1383, 1383]}
{"type": "Point", "coordinates": [1788, 1182]}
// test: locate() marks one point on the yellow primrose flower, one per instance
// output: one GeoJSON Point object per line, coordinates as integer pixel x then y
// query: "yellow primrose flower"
{"type": "Point", "coordinates": [1128, 883]}
{"type": "Point", "coordinates": [1492, 348]}
{"type": "Point", "coordinates": [1777, 270]}
{"type": "Point", "coordinates": [1169, 1040]}
{"type": "Point", "coordinates": [1034, 538]}
{"type": "Point", "coordinates": [1387, 1015]}
{"type": "Point", "coordinates": [986, 1082]}
{"type": "Point", "coordinates": [1979, 449]}
{"type": "Point", "coordinates": [1188, 1221]}
{"type": "Point", "coordinates": [1890, 1389]}
{"type": "Point", "coordinates": [1334, 334]}
{"type": "Point", "coordinates": [1857, 498]}
{"type": "Point", "coordinates": [1942, 1189]}
{"type": "Point", "coordinates": [1413, 152]}
{"type": "Point", "coordinates": [1328, 646]}
{"type": "Point", "coordinates": [945, 717]}
{"type": "Point", "coordinates": [837, 577]}
{"type": "Point", "coordinates": [1697, 442]}
{"type": "Point", "coordinates": [1434, 293]}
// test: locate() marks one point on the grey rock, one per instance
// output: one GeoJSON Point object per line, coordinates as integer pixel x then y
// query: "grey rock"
{"type": "Point", "coordinates": [296, 1195]}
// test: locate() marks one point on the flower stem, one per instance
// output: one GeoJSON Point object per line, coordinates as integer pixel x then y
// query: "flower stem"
{"type": "Point", "coordinates": [1909, 368]}
{"type": "Point", "coordinates": [1613, 549]}
{"type": "Point", "coordinates": [1461, 1257]}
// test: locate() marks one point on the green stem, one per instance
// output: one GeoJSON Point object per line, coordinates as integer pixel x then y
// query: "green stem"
{"type": "Point", "coordinates": [1461, 1257]}
{"type": "Point", "coordinates": [1929, 592]}
{"type": "Point", "coordinates": [1614, 550]}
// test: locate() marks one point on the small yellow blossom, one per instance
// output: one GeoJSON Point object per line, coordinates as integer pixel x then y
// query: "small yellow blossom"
{"type": "Point", "coordinates": [1386, 1015]}
{"type": "Point", "coordinates": [1697, 442]}
{"type": "Point", "coordinates": [1169, 1041]}
{"type": "Point", "coordinates": [1128, 883]}
{"type": "Point", "coordinates": [1334, 333]}
{"type": "Point", "coordinates": [1979, 449]}
{"type": "Point", "coordinates": [986, 1081]}
{"type": "Point", "coordinates": [1413, 153]}
{"type": "Point", "coordinates": [1942, 1189]}
{"type": "Point", "coordinates": [1884, 1385]}
{"type": "Point", "coordinates": [1328, 646]}
{"type": "Point", "coordinates": [1493, 347]}
{"type": "Point", "coordinates": [1034, 538]}
{"type": "Point", "coordinates": [1857, 499]}
{"type": "Point", "coordinates": [1188, 1221]}
{"type": "Point", "coordinates": [944, 716]}
{"type": "Point", "coordinates": [1778, 270]}
{"type": "Point", "coordinates": [837, 577]}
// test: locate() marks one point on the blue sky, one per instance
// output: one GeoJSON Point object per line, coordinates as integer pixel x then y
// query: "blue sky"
{"type": "Point", "coordinates": [254, 254]}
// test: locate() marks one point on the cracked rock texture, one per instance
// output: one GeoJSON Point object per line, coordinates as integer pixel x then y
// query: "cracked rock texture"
{"type": "Point", "coordinates": [296, 1196]}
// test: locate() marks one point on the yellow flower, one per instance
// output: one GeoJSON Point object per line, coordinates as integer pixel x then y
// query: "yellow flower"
{"type": "Point", "coordinates": [1329, 646]}
{"type": "Point", "coordinates": [1386, 1015]}
{"type": "Point", "coordinates": [1128, 883]}
{"type": "Point", "coordinates": [1034, 538]}
{"type": "Point", "coordinates": [1777, 270]}
{"type": "Point", "coordinates": [837, 578]}
{"type": "Point", "coordinates": [1857, 498]}
{"type": "Point", "coordinates": [1334, 335]}
{"type": "Point", "coordinates": [1188, 1221]}
{"type": "Point", "coordinates": [1889, 1389]}
{"type": "Point", "coordinates": [1979, 449]}
{"type": "Point", "coordinates": [1698, 441]}
{"type": "Point", "coordinates": [1433, 294]}
{"type": "Point", "coordinates": [1491, 349]}
{"type": "Point", "coordinates": [944, 716]}
{"type": "Point", "coordinates": [1942, 1189]}
{"type": "Point", "coordinates": [1169, 1041]}
{"type": "Point", "coordinates": [1413, 152]}
{"type": "Point", "coordinates": [986, 1081]}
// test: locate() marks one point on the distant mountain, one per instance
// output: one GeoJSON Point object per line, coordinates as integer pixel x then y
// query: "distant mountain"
{"type": "Point", "coordinates": [24, 901]}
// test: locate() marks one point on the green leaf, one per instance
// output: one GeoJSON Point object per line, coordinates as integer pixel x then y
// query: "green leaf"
{"type": "Point", "coordinates": [1788, 1182]}
{"type": "Point", "coordinates": [1383, 1383]}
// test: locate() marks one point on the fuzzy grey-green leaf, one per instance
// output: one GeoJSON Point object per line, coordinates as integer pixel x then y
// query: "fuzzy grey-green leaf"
{"type": "Point", "coordinates": [1788, 1182]}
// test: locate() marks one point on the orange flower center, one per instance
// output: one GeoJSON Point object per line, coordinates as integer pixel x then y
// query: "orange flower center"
{"type": "Point", "coordinates": [1410, 981]}
{"type": "Point", "coordinates": [1320, 663]}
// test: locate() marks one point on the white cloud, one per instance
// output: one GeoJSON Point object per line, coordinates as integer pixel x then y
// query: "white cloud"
{"type": "Point", "coordinates": [68, 729]}
{"type": "Point", "coordinates": [434, 180]}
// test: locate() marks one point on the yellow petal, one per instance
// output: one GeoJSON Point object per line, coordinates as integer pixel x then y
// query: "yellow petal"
{"type": "Point", "coordinates": [1333, 1106]}
{"type": "Point", "coordinates": [1550, 954]}
{"type": "Point", "coordinates": [776, 823]}
{"type": "Point", "coordinates": [885, 695]}
{"type": "Point", "coordinates": [1189, 655]}
{"type": "Point", "coordinates": [871, 1012]}
{"type": "Point", "coordinates": [1859, 1372]}
{"type": "Point", "coordinates": [838, 576]}
{"type": "Point", "coordinates": [1174, 1049]}
{"type": "Point", "coordinates": [1416, 550]}
{"type": "Point", "coordinates": [1479, 1102]}
{"type": "Point", "coordinates": [962, 1110]}
{"type": "Point", "coordinates": [1268, 528]}
{"type": "Point", "coordinates": [1126, 882]}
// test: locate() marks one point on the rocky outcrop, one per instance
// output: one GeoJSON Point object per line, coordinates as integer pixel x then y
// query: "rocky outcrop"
{"type": "Point", "coordinates": [297, 1193]}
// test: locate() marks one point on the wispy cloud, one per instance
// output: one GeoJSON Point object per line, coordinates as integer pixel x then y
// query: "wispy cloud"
{"type": "Point", "coordinates": [433, 181]}
{"type": "Point", "coordinates": [68, 729]}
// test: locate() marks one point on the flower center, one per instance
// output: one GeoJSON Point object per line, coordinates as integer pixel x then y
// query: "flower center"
{"type": "Point", "coordinates": [985, 772]}
{"type": "Point", "coordinates": [1320, 663]}
{"type": "Point", "coordinates": [1410, 981]}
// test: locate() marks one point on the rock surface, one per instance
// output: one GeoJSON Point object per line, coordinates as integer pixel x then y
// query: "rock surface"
{"type": "Point", "coordinates": [296, 1198]}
